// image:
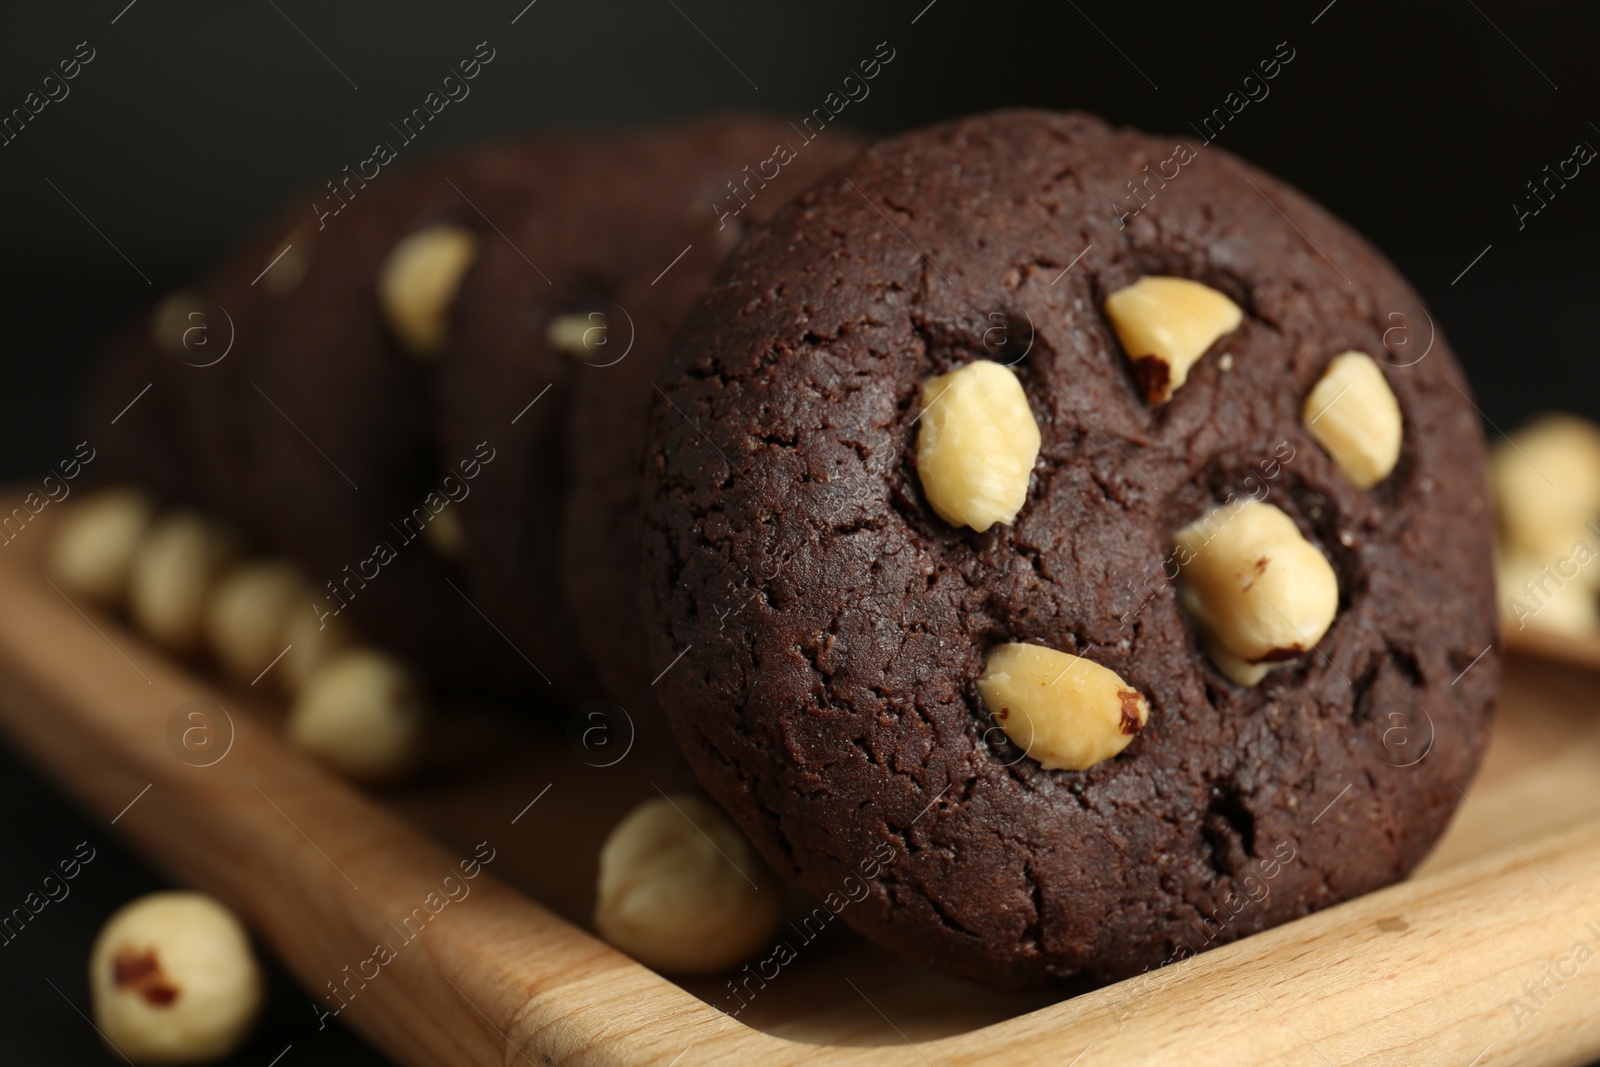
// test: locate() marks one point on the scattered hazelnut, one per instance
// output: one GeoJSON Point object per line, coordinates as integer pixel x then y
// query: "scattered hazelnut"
{"type": "Point", "coordinates": [1256, 588]}
{"type": "Point", "coordinates": [444, 533]}
{"type": "Point", "coordinates": [976, 445]}
{"type": "Point", "coordinates": [172, 980]}
{"type": "Point", "coordinates": [418, 283]}
{"type": "Point", "coordinates": [1535, 595]}
{"type": "Point", "coordinates": [682, 891]}
{"type": "Point", "coordinates": [1065, 711]}
{"type": "Point", "coordinates": [577, 335]}
{"type": "Point", "coordinates": [1547, 483]}
{"type": "Point", "coordinates": [362, 714]}
{"type": "Point", "coordinates": [1353, 414]}
{"type": "Point", "coordinates": [311, 640]}
{"type": "Point", "coordinates": [248, 613]}
{"type": "Point", "coordinates": [1165, 326]}
{"type": "Point", "coordinates": [91, 551]}
{"type": "Point", "coordinates": [174, 567]}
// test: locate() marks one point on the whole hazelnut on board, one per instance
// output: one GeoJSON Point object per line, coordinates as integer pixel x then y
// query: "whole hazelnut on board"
{"type": "Point", "coordinates": [172, 980]}
{"type": "Point", "coordinates": [976, 445]}
{"type": "Point", "coordinates": [91, 551]}
{"type": "Point", "coordinates": [311, 640]}
{"type": "Point", "coordinates": [1065, 711]}
{"type": "Point", "coordinates": [362, 714]}
{"type": "Point", "coordinates": [1546, 480]}
{"type": "Point", "coordinates": [248, 613]}
{"type": "Point", "coordinates": [1534, 594]}
{"type": "Point", "coordinates": [682, 891]}
{"type": "Point", "coordinates": [174, 567]}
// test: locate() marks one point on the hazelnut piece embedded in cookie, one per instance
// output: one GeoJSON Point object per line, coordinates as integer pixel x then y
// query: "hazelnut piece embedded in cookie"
{"type": "Point", "coordinates": [681, 890]}
{"type": "Point", "coordinates": [417, 285]}
{"type": "Point", "coordinates": [976, 445]}
{"type": "Point", "coordinates": [1065, 711]}
{"type": "Point", "coordinates": [1165, 326]}
{"type": "Point", "coordinates": [1258, 590]}
{"type": "Point", "coordinates": [1353, 414]}
{"type": "Point", "coordinates": [577, 335]}
{"type": "Point", "coordinates": [172, 980]}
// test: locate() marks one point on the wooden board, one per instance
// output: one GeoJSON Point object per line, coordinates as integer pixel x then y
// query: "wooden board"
{"type": "Point", "coordinates": [1429, 971]}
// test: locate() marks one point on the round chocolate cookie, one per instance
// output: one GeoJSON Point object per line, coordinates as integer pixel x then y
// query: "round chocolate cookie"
{"type": "Point", "coordinates": [862, 574]}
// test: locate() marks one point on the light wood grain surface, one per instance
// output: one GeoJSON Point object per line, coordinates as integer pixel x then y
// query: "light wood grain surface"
{"type": "Point", "coordinates": [1429, 971]}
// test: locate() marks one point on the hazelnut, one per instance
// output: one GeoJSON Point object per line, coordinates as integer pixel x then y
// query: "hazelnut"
{"type": "Point", "coordinates": [248, 613]}
{"type": "Point", "coordinates": [417, 285]}
{"type": "Point", "coordinates": [976, 445]}
{"type": "Point", "coordinates": [1535, 595]}
{"type": "Point", "coordinates": [91, 551]}
{"type": "Point", "coordinates": [362, 714]}
{"type": "Point", "coordinates": [1165, 326]}
{"type": "Point", "coordinates": [1256, 588]}
{"type": "Point", "coordinates": [1065, 711]}
{"type": "Point", "coordinates": [1547, 483]}
{"type": "Point", "coordinates": [1353, 414]}
{"type": "Point", "coordinates": [682, 891]}
{"type": "Point", "coordinates": [172, 980]}
{"type": "Point", "coordinates": [174, 567]}
{"type": "Point", "coordinates": [579, 336]}
{"type": "Point", "coordinates": [311, 640]}
{"type": "Point", "coordinates": [445, 534]}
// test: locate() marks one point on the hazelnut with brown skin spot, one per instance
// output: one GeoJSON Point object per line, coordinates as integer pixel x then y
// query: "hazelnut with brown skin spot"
{"type": "Point", "coordinates": [1065, 711]}
{"type": "Point", "coordinates": [1165, 326]}
{"type": "Point", "coordinates": [172, 980]}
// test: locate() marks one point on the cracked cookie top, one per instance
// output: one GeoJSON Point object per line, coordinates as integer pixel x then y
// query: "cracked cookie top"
{"type": "Point", "coordinates": [828, 634]}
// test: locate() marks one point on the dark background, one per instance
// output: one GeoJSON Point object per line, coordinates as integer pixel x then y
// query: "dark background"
{"type": "Point", "coordinates": [1418, 123]}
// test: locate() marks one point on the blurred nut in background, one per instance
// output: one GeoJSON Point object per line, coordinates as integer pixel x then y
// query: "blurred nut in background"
{"type": "Point", "coordinates": [1547, 482]}
{"type": "Point", "coordinates": [94, 540]}
{"type": "Point", "coordinates": [682, 891]}
{"type": "Point", "coordinates": [1535, 594]}
{"type": "Point", "coordinates": [362, 714]}
{"type": "Point", "coordinates": [417, 286]}
{"type": "Point", "coordinates": [172, 980]}
{"type": "Point", "coordinates": [248, 614]}
{"type": "Point", "coordinates": [174, 568]}
{"type": "Point", "coordinates": [312, 640]}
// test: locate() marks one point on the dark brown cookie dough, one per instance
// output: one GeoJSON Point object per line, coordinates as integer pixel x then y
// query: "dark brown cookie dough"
{"type": "Point", "coordinates": [610, 404]}
{"type": "Point", "coordinates": [825, 628]}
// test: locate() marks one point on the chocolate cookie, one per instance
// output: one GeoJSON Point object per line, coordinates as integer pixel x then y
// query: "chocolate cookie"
{"type": "Point", "coordinates": [605, 431]}
{"type": "Point", "coordinates": [971, 469]}
{"type": "Point", "coordinates": [291, 407]}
